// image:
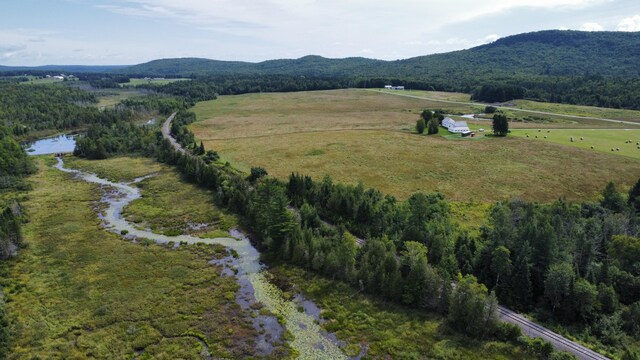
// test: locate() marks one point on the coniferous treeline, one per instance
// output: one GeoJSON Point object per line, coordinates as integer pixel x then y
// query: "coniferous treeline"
{"type": "Point", "coordinates": [14, 162]}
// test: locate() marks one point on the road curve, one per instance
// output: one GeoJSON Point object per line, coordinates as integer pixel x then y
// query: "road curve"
{"type": "Point", "coordinates": [166, 133]}
{"type": "Point", "coordinates": [559, 342]}
{"type": "Point", "coordinates": [528, 327]}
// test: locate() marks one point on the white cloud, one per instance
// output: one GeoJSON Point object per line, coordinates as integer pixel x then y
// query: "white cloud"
{"type": "Point", "coordinates": [490, 38]}
{"type": "Point", "coordinates": [591, 26]}
{"type": "Point", "coordinates": [258, 30]}
{"type": "Point", "coordinates": [630, 24]}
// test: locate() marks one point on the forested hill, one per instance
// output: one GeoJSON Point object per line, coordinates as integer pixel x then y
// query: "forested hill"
{"type": "Point", "coordinates": [543, 53]}
{"type": "Point", "coordinates": [311, 65]}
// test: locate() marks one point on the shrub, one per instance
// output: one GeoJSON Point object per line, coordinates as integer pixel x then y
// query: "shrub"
{"type": "Point", "coordinates": [508, 332]}
{"type": "Point", "coordinates": [420, 126]}
{"type": "Point", "coordinates": [561, 355]}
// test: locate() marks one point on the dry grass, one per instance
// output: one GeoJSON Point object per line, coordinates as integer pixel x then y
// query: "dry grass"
{"type": "Point", "coordinates": [400, 164]}
{"type": "Point", "coordinates": [281, 113]}
{"type": "Point", "coordinates": [363, 136]}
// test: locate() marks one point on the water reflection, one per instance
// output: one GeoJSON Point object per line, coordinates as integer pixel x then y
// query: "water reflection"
{"type": "Point", "coordinates": [53, 145]}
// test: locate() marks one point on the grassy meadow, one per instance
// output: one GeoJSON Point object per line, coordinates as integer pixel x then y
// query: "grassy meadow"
{"type": "Point", "coordinates": [267, 114]}
{"type": "Point", "coordinates": [356, 135]}
{"type": "Point", "coordinates": [386, 330]}
{"type": "Point", "coordinates": [78, 291]}
{"type": "Point", "coordinates": [625, 142]}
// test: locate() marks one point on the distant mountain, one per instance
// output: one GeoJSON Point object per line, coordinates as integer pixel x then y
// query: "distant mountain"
{"type": "Point", "coordinates": [543, 53]}
{"type": "Point", "coordinates": [309, 65]}
{"type": "Point", "coordinates": [65, 68]}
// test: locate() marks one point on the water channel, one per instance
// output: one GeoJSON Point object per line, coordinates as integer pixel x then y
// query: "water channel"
{"type": "Point", "coordinates": [311, 341]}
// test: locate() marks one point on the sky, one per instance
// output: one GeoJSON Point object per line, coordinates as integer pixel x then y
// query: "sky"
{"type": "Point", "coordinates": [123, 32]}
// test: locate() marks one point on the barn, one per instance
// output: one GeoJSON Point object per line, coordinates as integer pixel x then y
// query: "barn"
{"type": "Point", "coordinates": [456, 127]}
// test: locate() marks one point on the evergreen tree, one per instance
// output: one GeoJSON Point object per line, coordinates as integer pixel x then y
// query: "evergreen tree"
{"type": "Point", "coordinates": [426, 115]}
{"type": "Point", "coordinates": [612, 199]}
{"type": "Point", "coordinates": [433, 127]}
{"type": "Point", "coordinates": [634, 197]}
{"type": "Point", "coordinates": [500, 125]}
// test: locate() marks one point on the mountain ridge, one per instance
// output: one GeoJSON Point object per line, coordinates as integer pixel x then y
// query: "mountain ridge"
{"type": "Point", "coordinates": [548, 52]}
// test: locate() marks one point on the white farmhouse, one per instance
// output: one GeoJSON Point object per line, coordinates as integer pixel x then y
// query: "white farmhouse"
{"type": "Point", "coordinates": [456, 127]}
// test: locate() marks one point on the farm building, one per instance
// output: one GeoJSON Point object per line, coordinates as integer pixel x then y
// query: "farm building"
{"type": "Point", "coordinates": [456, 127]}
{"type": "Point", "coordinates": [391, 87]}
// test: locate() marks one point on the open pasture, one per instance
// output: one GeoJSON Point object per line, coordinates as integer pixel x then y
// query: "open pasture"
{"type": "Point", "coordinates": [624, 142]}
{"type": "Point", "coordinates": [269, 114]}
{"type": "Point", "coordinates": [356, 135]}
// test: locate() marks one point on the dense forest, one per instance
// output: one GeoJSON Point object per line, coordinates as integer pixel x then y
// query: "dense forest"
{"type": "Point", "coordinates": [14, 162]}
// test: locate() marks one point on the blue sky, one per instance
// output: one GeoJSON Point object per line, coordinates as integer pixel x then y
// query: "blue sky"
{"type": "Point", "coordinates": [115, 32]}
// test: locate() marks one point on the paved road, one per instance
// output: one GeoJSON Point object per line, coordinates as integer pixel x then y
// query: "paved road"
{"type": "Point", "coordinates": [166, 133]}
{"type": "Point", "coordinates": [528, 327]}
{"type": "Point", "coordinates": [559, 342]}
{"type": "Point", "coordinates": [399, 93]}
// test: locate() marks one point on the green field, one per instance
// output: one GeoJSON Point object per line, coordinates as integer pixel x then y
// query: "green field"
{"type": "Point", "coordinates": [111, 97]}
{"type": "Point", "coordinates": [356, 135]}
{"type": "Point", "coordinates": [138, 81]}
{"type": "Point", "coordinates": [78, 291]}
{"type": "Point", "coordinates": [625, 142]}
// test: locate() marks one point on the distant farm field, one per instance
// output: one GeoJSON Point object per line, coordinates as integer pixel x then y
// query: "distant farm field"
{"type": "Point", "coordinates": [356, 135]}
{"type": "Point", "coordinates": [624, 142]}
{"type": "Point", "coordinates": [158, 81]}
{"type": "Point", "coordinates": [532, 114]}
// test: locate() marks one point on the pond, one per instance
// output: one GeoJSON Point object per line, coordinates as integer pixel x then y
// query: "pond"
{"type": "Point", "coordinates": [53, 145]}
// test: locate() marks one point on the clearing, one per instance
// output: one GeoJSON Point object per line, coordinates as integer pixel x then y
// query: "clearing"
{"type": "Point", "coordinates": [356, 135]}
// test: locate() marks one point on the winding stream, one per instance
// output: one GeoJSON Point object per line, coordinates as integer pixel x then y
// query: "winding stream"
{"type": "Point", "coordinates": [310, 340]}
